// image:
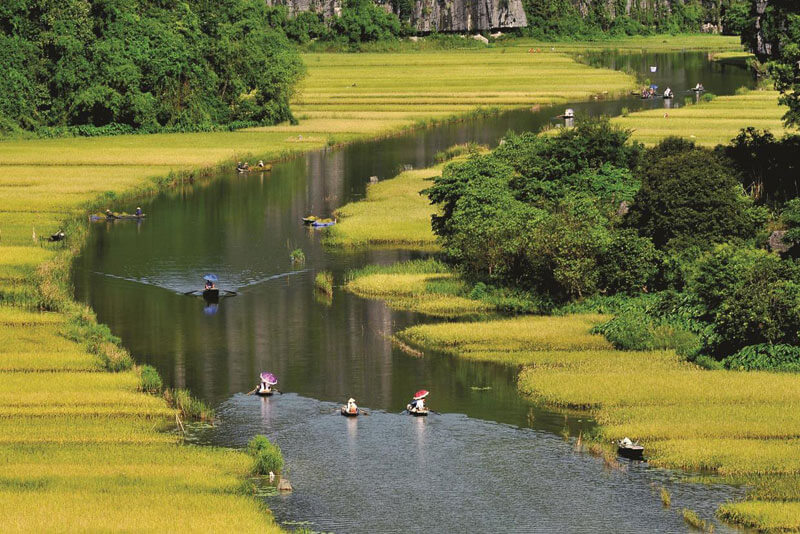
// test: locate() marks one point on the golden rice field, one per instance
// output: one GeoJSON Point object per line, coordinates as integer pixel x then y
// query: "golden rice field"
{"type": "Point", "coordinates": [726, 422]}
{"type": "Point", "coordinates": [708, 123]}
{"type": "Point", "coordinates": [394, 213]}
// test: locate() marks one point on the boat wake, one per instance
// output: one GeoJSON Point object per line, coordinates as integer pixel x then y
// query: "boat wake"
{"type": "Point", "coordinates": [190, 288]}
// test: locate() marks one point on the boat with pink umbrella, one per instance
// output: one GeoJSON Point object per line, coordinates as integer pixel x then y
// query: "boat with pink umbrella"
{"type": "Point", "coordinates": [417, 405]}
{"type": "Point", "coordinates": [267, 385]}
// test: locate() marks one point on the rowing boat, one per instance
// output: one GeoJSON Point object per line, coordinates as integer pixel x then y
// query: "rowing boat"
{"type": "Point", "coordinates": [116, 217]}
{"type": "Point", "coordinates": [350, 414]}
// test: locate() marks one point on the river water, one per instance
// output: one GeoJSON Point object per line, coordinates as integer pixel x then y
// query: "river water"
{"type": "Point", "coordinates": [489, 461]}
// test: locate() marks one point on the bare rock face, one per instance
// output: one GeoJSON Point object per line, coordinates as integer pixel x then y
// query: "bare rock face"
{"type": "Point", "coordinates": [434, 15]}
{"type": "Point", "coordinates": [776, 242]}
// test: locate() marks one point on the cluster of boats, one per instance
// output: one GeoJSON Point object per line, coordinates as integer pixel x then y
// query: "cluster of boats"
{"type": "Point", "coordinates": [417, 407]}
{"type": "Point", "coordinates": [242, 168]}
{"type": "Point", "coordinates": [652, 92]}
{"type": "Point", "coordinates": [318, 222]}
{"type": "Point", "coordinates": [109, 215]}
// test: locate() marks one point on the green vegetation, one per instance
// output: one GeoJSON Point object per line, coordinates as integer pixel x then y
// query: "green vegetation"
{"type": "Point", "coordinates": [84, 68]}
{"type": "Point", "coordinates": [323, 281]}
{"type": "Point", "coordinates": [267, 456]}
{"type": "Point", "coordinates": [693, 520]}
{"type": "Point", "coordinates": [298, 256]}
{"type": "Point", "coordinates": [150, 379]}
{"type": "Point", "coordinates": [666, 498]}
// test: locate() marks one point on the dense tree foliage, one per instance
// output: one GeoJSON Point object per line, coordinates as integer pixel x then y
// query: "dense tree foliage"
{"type": "Point", "coordinates": [562, 18]}
{"type": "Point", "coordinates": [774, 36]}
{"type": "Point", "coordinates": [146, 64]}
{"type": "Point", "coordinates": [691, 197]}
{"type": "Point", "coordinates": [768, 168]}
{"type": "Point", "coordinates": [545, 216]}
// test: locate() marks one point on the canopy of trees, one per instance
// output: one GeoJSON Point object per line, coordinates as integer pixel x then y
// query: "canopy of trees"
{"type": "Point", "coordinates": [147, 64]}
{"type": "Point", "coordinates": [548, 216]}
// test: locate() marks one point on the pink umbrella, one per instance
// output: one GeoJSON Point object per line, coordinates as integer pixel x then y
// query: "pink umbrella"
{"type": "Point", "coordinates": [269, 378]}
{"type": "Point", "coordinates": [421, 394]}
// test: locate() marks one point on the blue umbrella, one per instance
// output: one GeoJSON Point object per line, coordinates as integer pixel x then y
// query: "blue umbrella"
{"type": "Point", "coordinates": [211, 278]}
{"type": "Point", "coordinates": [654, 87]}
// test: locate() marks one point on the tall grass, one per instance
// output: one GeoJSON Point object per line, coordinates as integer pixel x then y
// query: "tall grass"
{"type": "Point", "coordinates": [323, 281]}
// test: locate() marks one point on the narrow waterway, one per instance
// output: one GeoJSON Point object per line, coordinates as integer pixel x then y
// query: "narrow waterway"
{"type": "Point", "coordinates": [490, 461]}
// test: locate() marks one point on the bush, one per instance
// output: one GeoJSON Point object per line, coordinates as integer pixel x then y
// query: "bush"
{"type": "Point", "coordinates": [267, 456]}
{"type": "Point", "coordinates": [629, 264]}
{"type": "Point", "coordinates": [150, 379]}
{"type": "Point", "coordinates": [765, 357]}
{"type": "Point", "coordinates": [297, 256]}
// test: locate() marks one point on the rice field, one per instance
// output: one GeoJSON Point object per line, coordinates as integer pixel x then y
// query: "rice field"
{"type": "Point", "coordinates": [708, 123]}
{"type": "Point", "coordinates": [734, 424]}
{"type": "Point", "coordinates": [394, 213]}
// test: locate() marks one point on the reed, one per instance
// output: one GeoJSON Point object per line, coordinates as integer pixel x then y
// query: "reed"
{"type": "Point", "coordinates": [323, 282]}
{"type": "Point", "coordinates": [666, 498]}
{"type": "Point", "coordinates": [695, 521]}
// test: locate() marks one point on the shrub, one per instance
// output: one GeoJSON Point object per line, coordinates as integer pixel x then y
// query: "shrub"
{"type": "Point", "coordinates": [629, 264]}
{"type": "Point", "coordinates": [266, 456]}
{"type": "Point", "coordinates": [765, 357]}
{"type": "Point", "coordinates": [150, 379]}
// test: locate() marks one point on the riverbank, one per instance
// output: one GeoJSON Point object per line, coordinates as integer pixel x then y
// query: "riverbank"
{"type": "Point", "coordinates": [96, 457]}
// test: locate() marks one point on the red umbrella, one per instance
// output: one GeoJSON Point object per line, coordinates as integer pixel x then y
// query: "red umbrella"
{"type": "Point", "coordinates": [421, 394]}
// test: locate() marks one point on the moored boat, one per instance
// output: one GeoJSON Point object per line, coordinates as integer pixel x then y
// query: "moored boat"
{"type": "Point", "coordinates": [310, 219]}
{"type": "Point", "coordinates": [322, 223]}
{"type": "Point", "coordinates": [629, 449]}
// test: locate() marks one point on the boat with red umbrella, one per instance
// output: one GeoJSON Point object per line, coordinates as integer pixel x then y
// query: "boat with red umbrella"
{"type": "Point", "coordinates": [417, 406]}
{"type": "Point", "coordinates": [267, 385]}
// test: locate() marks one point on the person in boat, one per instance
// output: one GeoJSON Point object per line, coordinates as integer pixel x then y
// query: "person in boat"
{"type": "Point", "coordinates": [109, 213]}
{"type": "Point", "coordinates": [351, 406]}
{"type": "Point", "coordinates": [261, 164]}
{"type": "Point", "coordinates": [264, 387]}
{"type": "Point", "coordinates": [668, 93]}
{"type": "Point", "coordinates": [417, 405]}
{"type": "Point", "coordinates": [138, 211]}
{"type": "Point", "coordinates": [209, 285]}
{"type": "Point", "coordinates": [699, 87]}
{"type": "Point", "coordinates": [645, 93]}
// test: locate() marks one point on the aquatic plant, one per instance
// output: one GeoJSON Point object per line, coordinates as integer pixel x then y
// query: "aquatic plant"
{"type": "Point", "coordinates": [297, 256]}
{"type": "Point", "coordinates": [188, 406]}
{"type": "Point", "coordinates": [693, 520]}
{"type": "Point", "coordinates": [666, 499]}
{"type": "Point", "coordinates": [323, 281]}
{"type": "Point", "coordinates": [267, 456]}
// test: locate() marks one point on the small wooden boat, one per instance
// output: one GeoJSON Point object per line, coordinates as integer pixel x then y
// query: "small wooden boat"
{"type": "Point", "coordinates": [322, 223]}
{"type": "Point", "coordinates": [212, 293]}
{"type": "Point", "coordinates": [349, 414]}
{"type": "Point", "coordinates": [310, 219]}
{"type": "Point", "coordinates": [116, 217]}
{"type": "Point", "coordinates": [417, 413]}
{"type": "Point", "coordinates": [265, 392]}
{"type": "Point", "coordinates": [629, 449]}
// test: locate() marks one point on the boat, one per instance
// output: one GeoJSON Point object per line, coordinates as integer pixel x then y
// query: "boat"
{"type": "Point", "coordinates": [256, 168]}
{"type": "Point", "coordinates": [212, 293]}
{"type": "Point", "coordinates": [417, 413]}
{"type": "Point", "coordinates": [310, 219]}
{"type": "Point", "coordinates": [421, 394]}
{"type": "Point", "coordinates": [349, 414]}
{"type": "Point", "coordinates": [270, 380]}
{"type": "Point", "coordinates": [322, 223]}
{"type": "Point", "coordinates": [629, 449]}
{"type": "Point", "coordinates": [115, 217]}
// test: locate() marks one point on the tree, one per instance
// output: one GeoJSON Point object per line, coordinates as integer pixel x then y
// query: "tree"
{"type": "Point", "coordinates": [690, 197]}
{"type": "Point", "coordinates": [772, 32]}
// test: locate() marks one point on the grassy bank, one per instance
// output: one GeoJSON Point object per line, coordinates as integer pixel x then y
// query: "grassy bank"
{"type": "Point", "coordinates": [728, 423]}
{"type": "Point", "coordinates": [708, 123]}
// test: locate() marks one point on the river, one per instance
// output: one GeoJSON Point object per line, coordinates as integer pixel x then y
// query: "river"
{"type": "Point", "coordinates": [490, 461]}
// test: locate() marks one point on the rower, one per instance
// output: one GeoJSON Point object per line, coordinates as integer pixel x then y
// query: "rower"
{"type": "Point", "coordinates": [699, 87]}
{"type": "Point", "coordinates": [209, 285]}
{"type": "Point", "coordinates": [264, 387]}
{"type": "Point", "coordinates": [109, 213]}
{"type": "Point", "coordinates": [351, 406]}
{"type": "Point", "coordinates": [138, 211]}
{"type": "Point", "coordinates": [668, 93]}
{"type": "Point", "coordinates": [261, 164]}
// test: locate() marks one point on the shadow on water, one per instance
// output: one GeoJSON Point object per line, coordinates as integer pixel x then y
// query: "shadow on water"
{"type": "Point", "coordinates": [491, 461]}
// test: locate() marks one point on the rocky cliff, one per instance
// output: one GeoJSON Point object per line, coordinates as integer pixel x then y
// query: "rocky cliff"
{"type": "Point", "coordinates": [435, 15]}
